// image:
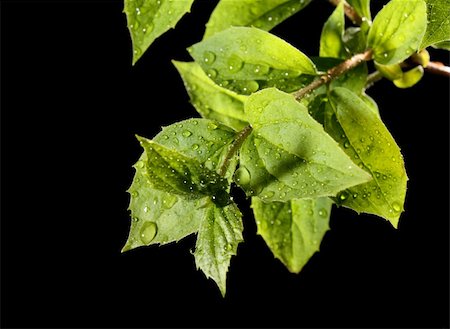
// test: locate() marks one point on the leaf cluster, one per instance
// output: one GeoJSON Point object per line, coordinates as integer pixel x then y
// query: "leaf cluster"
{"type": "Point", "coordinates": [293, 156]}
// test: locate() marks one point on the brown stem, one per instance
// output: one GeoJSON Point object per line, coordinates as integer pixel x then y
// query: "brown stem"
{"type": "Point", "coordinates": [240, 138]}
{"type": "Point", "coordinates": [438, 68]}
{"type": "Point", "coordinates": [334, 72]}
{"type": "Point", "coordinates": [432, 67]}
{"type": "Point", "coordinates": [349, 12]}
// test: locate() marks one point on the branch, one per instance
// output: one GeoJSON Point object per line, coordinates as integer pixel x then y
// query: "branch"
{"type": "Point", "coordinates": [438, 68]}
{"type": "Point", "coordinates": [334, 72]}
{"type": "Point", "coordinates": [432, 67]}
{"type": "Point", "coordinates": [349, 12]}
{"type": "Point", "coordinates": [240, 138]}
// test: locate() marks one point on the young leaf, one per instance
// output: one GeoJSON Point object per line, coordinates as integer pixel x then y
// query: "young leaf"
{"type": "Point", "coordinates": [166, 216]}
{"type": "Point", "coordinates": [173, 172]}
{"type": "Point", "coordinates": [293, 230]}
{"type": "Point", "coordinates": [149, 19]}
{"type": "Point", "coordinates": [391, 72]}
{"type": "Point", "coordinates": [205, 140]}
{"type": "Point", "coordinates": [364, 137]}
{"type": "Point", "coordinates": [158, 216]}
{"type": "Point", "coordinates": [442, 45]}
{"type": "Point", "coordinates": [438, 29]}
{"type": "Point", "coordinates": [246, 59]}
{"type": "Point", "coordinates": [217, 241]}
{"type": "Point", "coordinates": [261, 14]}
{"type": "Point", "coordinates": [362, 7]}
{"type": "Point", "coordinates": [397, 31]}
{"type": "Point", "coordinates": [331, 39]}
{"type": "Point", "coordinates": [355, 40]}
{"type": "Point", "coordinates": [409, 78]}
{"type": "Point", "coordinates": [210, 100]}
{"type": "Point", "coordinates": [289, 155]}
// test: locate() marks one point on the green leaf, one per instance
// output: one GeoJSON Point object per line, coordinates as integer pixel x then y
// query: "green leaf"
{"type": "Point", "coordinates": [261, 14]}
{"type": "Point", "coordinates": [331, 39]}
{"type": "Point", "coordinates": [391, 72]}
{"type": "Point", "coordinates": [205, 140]}
{"type": "Point", "coordinates": [354, 40]}
{"type": "Point", "coordinates": [217, 241]}
{"type": "Point", "coordinates": [370, 102]}
{"type": "Point", "coordinates": [442, 45]}
{"type": "Point", "coordinates": [289, 155]}
{"type": "Point", "coordinates": [362, 7]}
{"type": "Point", "coordinates": [210, 100]}
{"type": "Point", "coordinates": [163, 217]}
{"type": "Point", "coordinates": [173, 172]}
{"type": "Point", "coordinates": [246, 59]}
{"type": "Point", "coordinates": [149, 19]}
{"type": "Point", "coordinates": [364, 137]}
{"type": "Point", "coordinates": [438, 29]}
{"type": "Point", "coordinates": [293, 230]}
{"type": "Point", "coordinates": [397, 31]}
{"type": "Point", "coordinates": [409, 78]}
{"type": "Point", "coordinates": [158, 216]}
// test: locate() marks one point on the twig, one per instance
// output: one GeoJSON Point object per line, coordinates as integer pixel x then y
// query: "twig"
{"type": "Point", "coordinates": [240, 138]}
{"type": "Point", "coordinates": [334, 72]}
{"type": "Point", "coordinates": [438, 68]}
{"type": "Point", "coordinates": [349, 12]}
{"type": "Point", "coordinates": [432, 67]}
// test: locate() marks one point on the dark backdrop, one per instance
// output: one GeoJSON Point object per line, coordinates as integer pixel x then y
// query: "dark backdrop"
{"type": "Point", "coordinates": [71, 104]}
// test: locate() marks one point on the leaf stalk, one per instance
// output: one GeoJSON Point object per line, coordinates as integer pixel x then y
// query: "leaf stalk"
{"type": "Point", "coordinates": [240, 138]}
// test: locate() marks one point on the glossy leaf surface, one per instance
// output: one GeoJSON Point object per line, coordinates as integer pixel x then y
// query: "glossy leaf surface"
{"type": "Point", "coordinates": [262, 14]}
{"type": "Point", "coordinates": [289, 155]}
{"type": "Point", "coordinates": [293, 230]}
{"type": "Point", "coordinates": [364, 137]}
{"type": "Point", "coordinates": [149, 19]}
{"type": "Point", "coordinates": [247, 59]}
{"type": "Point", "coordinates": [438, 29]}
{"type": "Point", "coordinates": [210, 100]}
{"type": "Point", "coordinates": [331, 39]}
{"type": "Point", "coordinates": [397, 31]}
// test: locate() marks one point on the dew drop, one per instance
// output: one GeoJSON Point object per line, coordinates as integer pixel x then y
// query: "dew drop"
{"type": "Point", "coordinates": [235, 64]}
{"type": "Point", "coordinates": [146, 209]}
{"type": "Point", "coordinates": [209, 57]}
{"type": "Point", "coordinates": [212, 126]}
{"type": "Point", "coordinates": [140, 164]}
{"type": "Point", "coordinates": [343, 196]}
{"type": "Point", "coordinates": [187, 133]}
{"type": "Point", "coordinates": [169, 201]}
{"type": "Point", "coordinates": [148, 232]}
{"type": "Point", "coordinates": [242, 176]}
{"type": "Point", "coordinates": [211, 73]}
{"type": "Point", "coordinates": [396, 207]}
{"type": "Point", "coordinates": [323, 212]}
{"type": "Point", "coordinates": [346, 144]}
{"type": "Point", "coordinates": [261, 69]}
{"type": "Point", "coordinates": [195, 146]}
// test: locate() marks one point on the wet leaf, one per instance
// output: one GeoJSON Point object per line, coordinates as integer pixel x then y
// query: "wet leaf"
{"type": "Point", "coordinates": [247, 59]}
{"type": "Point", "coordinates": [293, 230]}
{"type": "Point", "coordinates": [260, 13]}
{"type": "Point", "coordinates": [438, 29]}
{"type": "Point", "coordinates": [149, 19]}
{"type": "Point", "coordinates": [331, 39]}
{"type": "Point", "coordinates": [397, 31]}
{"type": "Point", "coordinates": [289, 155]}
{"type": "Point", "coordinates": [217, 241]}
{"type": "Point", "coordinates": [210, 100]}
{"type": "Point", "coordinates": [409, 78]}
{"type": "Point", "coordinates": [364, 137]}
{"type": "Point", "coordinates": [362, 7]}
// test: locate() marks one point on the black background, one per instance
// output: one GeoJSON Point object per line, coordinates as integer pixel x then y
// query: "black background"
{"type": "Point", "coordinates": [71, 104]}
